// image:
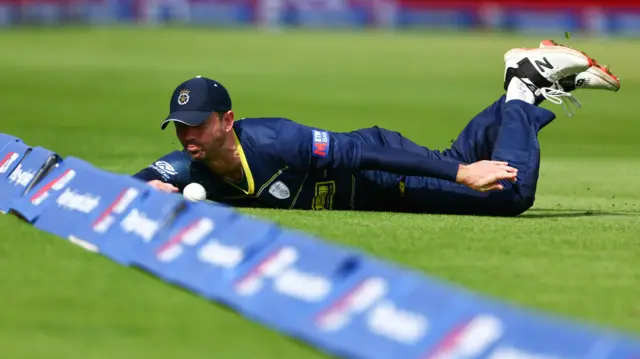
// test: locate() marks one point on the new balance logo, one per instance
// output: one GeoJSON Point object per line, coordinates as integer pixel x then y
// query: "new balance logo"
{"type": "Point", "coordinates": [542, 64]}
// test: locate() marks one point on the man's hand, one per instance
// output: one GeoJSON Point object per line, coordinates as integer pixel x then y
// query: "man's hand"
{"type": "Point", "coordinates": [165, 187]}
{"type": "Point", "coordinates": [484, 175]}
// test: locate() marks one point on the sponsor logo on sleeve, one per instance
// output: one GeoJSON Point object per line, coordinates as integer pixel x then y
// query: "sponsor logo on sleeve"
{"type": "Point", "coordinates": [320, 143]}
{"type": "Point", "coordinates": [165, 169]}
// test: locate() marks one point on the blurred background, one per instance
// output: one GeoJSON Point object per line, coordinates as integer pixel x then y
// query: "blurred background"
{"type": "Point", "coordinates": [613, 17]}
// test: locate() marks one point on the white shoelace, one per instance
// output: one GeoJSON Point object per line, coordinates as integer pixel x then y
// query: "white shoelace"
{"type": "Point", "coordinates": [556, 96]}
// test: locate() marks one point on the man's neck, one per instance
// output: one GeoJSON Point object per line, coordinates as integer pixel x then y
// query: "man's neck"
{"type": "Point", "coordinates": [228, 163]}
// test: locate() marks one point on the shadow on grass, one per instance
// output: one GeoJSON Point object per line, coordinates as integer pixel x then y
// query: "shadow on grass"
{"type": "Point", "coordinates": [565, 213]}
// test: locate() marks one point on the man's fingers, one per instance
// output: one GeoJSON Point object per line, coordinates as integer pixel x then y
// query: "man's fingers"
{"type": "Point", "coordinates": [169, 188]}
{"type": "Point", "coordinates": [493, 179]}
{"type": "Point", "coordinates": [508, 172]}
{"type": "Point", "coordinates": [500, 163]}
{"type": "Point", "coordinates": [509, 176]}
{"type": "Point", "coordinates": [501, 175]}
{"type": "Point", "coordinates": [508, 168]}
{"type": "Point", "coordinates": [493, 187]}
{"type": "Point", "coordinates": [497, 187]}
{"type": "Point", "coordinates": [165, 187]}
{"type": "Point", "coordinates": [503, 166]}
{"type": "Point", "coordinates": [486, 175]}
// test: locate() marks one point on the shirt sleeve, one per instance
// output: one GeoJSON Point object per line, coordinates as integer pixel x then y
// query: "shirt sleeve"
{"type": "Point", "coordinates": [308, 148]}
{"type": "Point", "coordinates": [173, 168]}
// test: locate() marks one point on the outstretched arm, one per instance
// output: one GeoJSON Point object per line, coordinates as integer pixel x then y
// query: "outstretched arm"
{"type": "Point", "coordinates": [481, 176]}
{"type": "Point", "coordinates": [399, 161]}
{"type": "Point", "coordinates": [308, 148]}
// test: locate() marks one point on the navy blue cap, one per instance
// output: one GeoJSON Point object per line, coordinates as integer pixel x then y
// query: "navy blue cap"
{"type": "Point", "coordinates": [195, 99]}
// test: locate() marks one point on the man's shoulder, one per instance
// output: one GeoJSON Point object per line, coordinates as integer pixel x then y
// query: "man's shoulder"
{"type": "Point", "coordinates": [260, 123]}
{"type": "Point", "coordinates": [175, 157]}
{"type": "Point", "coordinates": [262, 131]}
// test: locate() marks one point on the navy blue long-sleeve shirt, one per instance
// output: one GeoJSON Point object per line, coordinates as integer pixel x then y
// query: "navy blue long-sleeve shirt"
{"type": "Point", "coordinates": [289, 165]}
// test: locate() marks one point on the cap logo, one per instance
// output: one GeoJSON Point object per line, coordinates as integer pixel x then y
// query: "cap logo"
{"type": "Point", "coordinates": [183, 97]}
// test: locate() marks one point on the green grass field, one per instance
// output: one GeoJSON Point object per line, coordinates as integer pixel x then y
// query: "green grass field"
{"type": "Point", "coordinates": [100, 95]}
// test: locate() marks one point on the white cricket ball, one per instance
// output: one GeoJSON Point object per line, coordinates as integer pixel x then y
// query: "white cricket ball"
{"type": "Point", "coordinates": [194, 192]}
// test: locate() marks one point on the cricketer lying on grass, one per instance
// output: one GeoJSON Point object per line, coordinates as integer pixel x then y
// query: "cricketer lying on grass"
{"type": "Point", "coordinates": [491, 169]}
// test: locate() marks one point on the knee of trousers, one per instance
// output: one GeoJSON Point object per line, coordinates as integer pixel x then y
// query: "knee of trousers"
{"type": "Point", "coordinates": [517, 205]}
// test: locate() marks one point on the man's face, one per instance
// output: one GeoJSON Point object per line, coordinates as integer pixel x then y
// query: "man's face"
{"type": "Point", "coordinates": [204, 141]}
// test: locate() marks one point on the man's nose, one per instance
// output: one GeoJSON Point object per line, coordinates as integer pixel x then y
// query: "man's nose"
{"type": "Point", "coordinates": [188, 133]}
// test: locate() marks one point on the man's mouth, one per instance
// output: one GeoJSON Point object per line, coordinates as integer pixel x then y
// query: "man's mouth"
{"type": "Point", "coordinates": [195, 152]}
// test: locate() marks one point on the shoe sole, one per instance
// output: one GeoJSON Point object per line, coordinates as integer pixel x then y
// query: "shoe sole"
{"type": "Point", "coordinates": [606, 76]}
{"type": "Point", "coordinates": [601, 71]}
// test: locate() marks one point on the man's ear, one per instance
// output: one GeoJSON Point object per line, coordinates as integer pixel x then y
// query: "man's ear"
{"type": "Point", "coordinates": [227, 121]}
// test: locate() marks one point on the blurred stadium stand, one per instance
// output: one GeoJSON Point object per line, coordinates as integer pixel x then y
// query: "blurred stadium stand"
{"type": "Point", "coordinates": [613, 17]}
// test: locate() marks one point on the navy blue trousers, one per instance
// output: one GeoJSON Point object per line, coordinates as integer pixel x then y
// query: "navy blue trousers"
{"type": "Point", "coordinates": [504, 131]}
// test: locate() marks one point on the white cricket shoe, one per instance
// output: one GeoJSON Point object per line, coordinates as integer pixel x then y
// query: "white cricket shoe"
{"type": "Point", "coordinates": [550, 63]}
{"type": "Point", "coordinates": [596, 77]}
{"type": "Point", "coordinates": [541, 69]}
